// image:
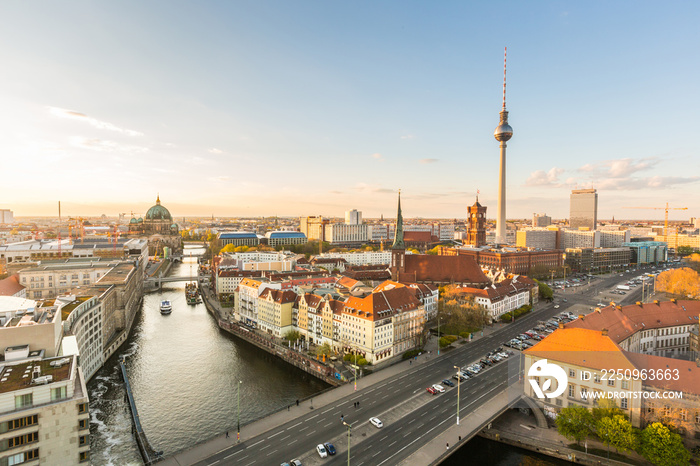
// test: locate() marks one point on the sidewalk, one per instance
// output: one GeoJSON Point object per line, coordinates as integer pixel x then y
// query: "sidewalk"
{"type": "Point", "coordinates": [205, 449]}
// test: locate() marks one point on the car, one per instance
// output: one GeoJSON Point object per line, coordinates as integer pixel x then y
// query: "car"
{"type": "Point", "coordinates": [556, 306]}
{"type": "Point", "coordinates": [431, 390]}
{"type": "Point", "coordinates": [321, 450]}
{"type": "Point", "coordinates": [295, 462]}
{"type": "Point", "coordinates": [448, 383]}
{"type": "Point", "coordinates": [439, 388]}
{"type": "Point", "coordinates": [284, 464]}
{"type": "Point", "coordinates": [376, 422]}
{"type": "Point", "coordinates": [329, 448]}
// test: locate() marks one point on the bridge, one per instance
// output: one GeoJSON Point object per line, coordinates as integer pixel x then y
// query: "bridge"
{"type": "Point", "coordinates": [413, 419]}
{"type": "Point", "coordinates": [159, 280]}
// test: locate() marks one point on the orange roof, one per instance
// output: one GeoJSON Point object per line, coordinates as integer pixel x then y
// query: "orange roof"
{"type": "Point", "coordinates": [455, 269]}
{"type": "Point", "coordinates": [688, 372]}
{"type": "Point", "coordinates": [382, 304]}
{"type": "Point", "coordinates": [624, 321]}
{"type": "Point", "coordinates": [581, 347]}
{"type": "Point", "coordinates": [10, 286]}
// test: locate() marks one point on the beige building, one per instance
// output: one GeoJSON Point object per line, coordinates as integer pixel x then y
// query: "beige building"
{"type": "Point", "coordinates": [49, 281]}
{"type": "Point", "coordinates": [44, 417]}
{"type": "Point", "coordinates": [25, 322]}
{"type": "Point", "coordinates": [275, 311]}
{"type": "Point", "coordinates": [537, 238]}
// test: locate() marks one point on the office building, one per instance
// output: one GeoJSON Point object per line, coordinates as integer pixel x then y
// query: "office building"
{"type": "Point", "coordinates": [353, 217]}
{"type": "Point", "coordinates": [541, 220]}
{"type": "Point", "coordinates": [583, 212]}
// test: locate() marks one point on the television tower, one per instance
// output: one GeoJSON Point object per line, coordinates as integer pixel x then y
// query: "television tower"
{"type": "Point", "coordinates": [502, 134]}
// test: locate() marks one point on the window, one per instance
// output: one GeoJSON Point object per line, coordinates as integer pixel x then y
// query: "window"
{"type": "Point", "coordinates": [23, 401]}
{"type": "Point", "coordinates": [572, 373]}
{"type": "Point", "coordinates": [611, 382]}
{"type": "Point", "coordinates": [84, 440]}
{"type": "Point", "coordinates": [596, 378]}
{"type": "Point", "coordinates": [571, 391]}
{"type": "Point", "coordinates": [624, 384]}
{"type": "Point", "coordinates": [20, 440]}
{"type": "Point", "coordinates": [84, 456]}
{"type": "Point", "coordinates": [623, 403]}
{"type": "Point", "coordinates": [82, 424]}
{"type": "Point", "coordinates": [58, 393]}
{"type": "Point", "coordinates": [20, 423]}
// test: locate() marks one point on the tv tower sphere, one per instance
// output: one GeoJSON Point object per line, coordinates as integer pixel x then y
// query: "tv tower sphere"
{"type": "Point", "coordinates": [503, 131]}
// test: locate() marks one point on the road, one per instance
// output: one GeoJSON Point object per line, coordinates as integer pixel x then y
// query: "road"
{"type": "Point", "coordinates": [408, 412]}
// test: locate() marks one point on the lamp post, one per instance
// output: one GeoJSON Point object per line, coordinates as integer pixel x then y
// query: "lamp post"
{"type": "Point", "coordinates": [349, 426]}
{"type": "Point", "coordinates": [438, 335]}
{"type": "Point", "coordinates": [354, 369]}
{"type": "Point", "coordinates": [459, 379]}
{"type": "Point", "coordinates": [238, 402]}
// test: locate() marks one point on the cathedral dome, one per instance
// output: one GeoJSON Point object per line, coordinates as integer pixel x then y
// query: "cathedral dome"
{"type": "Point", "coordinates": [158, 212]}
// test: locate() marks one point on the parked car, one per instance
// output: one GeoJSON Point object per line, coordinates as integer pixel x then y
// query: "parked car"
{"type": "Point", "coordinates": [376, 422]}
{"type": "Point", "coordinates": [448, 383]}
{"type": "Point", "coordinates": [295, 462]}
{"type": "Point", "coordinates": [321, 450]}
{"type": "Point", "coordinates": [439, 388]}
{"type": "Point", "coordinates": [329, 448]}
{"type": "Point", "coordinates": [431, 390]}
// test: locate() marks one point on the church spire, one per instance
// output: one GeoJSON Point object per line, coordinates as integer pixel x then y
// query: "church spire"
{"type": "Point", "coordinates": [158, 199]}
{"type": "Point", "coordinates": [398, 234]}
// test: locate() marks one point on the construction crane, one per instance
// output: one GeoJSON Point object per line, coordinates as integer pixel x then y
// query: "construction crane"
{"type": "Point", "coordinates": [667, 208]}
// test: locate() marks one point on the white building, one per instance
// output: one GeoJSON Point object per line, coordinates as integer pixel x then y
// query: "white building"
{"type": "Point", "coordinates": [44, 417]}
{"type": "Point", "coordinates": [353, 217]}
{"type": "Point", "coordinates": [571, 239]}
{"type": "Point", "coordinates": [614, 239]}
{"type": "Point", "coordinates": [361, 258]}
{"type": "Point", "coordinates": [342, 233]}
{"type": "Point", "coordinates": [49, 281]}
{"type": "Point", "coordinates": [84, 326]}
{"type": "Point", "coordinates": [6, 216]}
{"type": "Point", "coordinates": [247, 294]}
{"type": "Point", "coordinates": [24, 322]}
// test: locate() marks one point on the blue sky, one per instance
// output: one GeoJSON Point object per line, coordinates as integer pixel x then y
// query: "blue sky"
{"type": "Point", "coordinates": [304, 108]}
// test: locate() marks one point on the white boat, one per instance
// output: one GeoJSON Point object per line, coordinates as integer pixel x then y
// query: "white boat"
{"type": "Point", "coordinates": [166, 307]}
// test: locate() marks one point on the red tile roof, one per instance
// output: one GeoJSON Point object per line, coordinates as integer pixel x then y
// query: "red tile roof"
{"type": "Point", "coordinates": [688, 373]}
{"type": "Point", "coordinates": [10, 286]}
{"type": "Point", "coordinates": [382, 304]}
{"type": "Point", "coordinates": [442, 269]}
{"type": "Point", "coordinates": [624, 321]}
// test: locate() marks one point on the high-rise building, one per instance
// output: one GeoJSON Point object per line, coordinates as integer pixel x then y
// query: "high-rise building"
{"type": "Point", "coordinates": [503, 133]}
{"type": "Point", "coordinates": [6, 216]}
{"type": "Point", "coordinates": [583, 212]}
{"type": "Point", "coordinates": [353, 217]}
{"type": "Point", "coordinates": [541, 220]}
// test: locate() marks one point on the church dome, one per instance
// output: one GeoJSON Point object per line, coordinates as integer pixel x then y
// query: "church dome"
{"type": "Point", "coordinates": [158, 212]}
{"type": "Point", "coordinates": [133, 220]}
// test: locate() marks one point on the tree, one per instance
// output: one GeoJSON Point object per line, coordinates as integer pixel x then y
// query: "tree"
{"type": "Point", "coordinates": [574, 422]}
{"type": "Point", "coordinates": [227, 248]}
{"type": "Point", "coordinates": [662, 447]}
{"type": "Point", "coordinates": [434, 252]}
{"type": "Point", "coordinates": [693, 262]}
{"type": "Point", "coordinates": [683, 282]}
{"type": "Point", "coordinates": [685, 250]}
{"type": "Point", "coordinates": [292, 335]}
{"type": "Point", "coordinates": [618, 432]}
{"type": "Point", "coordinates": [545, 291]}
{"type": "Point", "coordinates": [324, 349]}
{"type": "Point", "coordinates": [606, 408]}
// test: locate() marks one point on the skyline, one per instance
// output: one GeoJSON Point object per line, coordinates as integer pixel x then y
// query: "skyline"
{"type": "Point", "coordinates": [267, 108]}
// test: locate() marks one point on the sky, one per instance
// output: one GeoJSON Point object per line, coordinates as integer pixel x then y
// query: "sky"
{"type": "Point", "coordinates": [295, 108]}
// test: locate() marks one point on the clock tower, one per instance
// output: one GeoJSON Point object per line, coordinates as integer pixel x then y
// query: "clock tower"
{"type": "Point", "coordinates": [476, 230]}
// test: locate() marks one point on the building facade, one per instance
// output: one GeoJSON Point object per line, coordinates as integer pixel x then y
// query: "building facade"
{"type": "Point", "coordinates": [583, 212]}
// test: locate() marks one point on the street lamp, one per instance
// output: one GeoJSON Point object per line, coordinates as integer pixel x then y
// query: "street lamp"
{"type": "Point", "coordinates": [459, 379]}
{"type": "Point", "coordinates": [238, 402]}
{"type": "Point", "coordinates": [349, 426]}
{"type": "Point", "coordinates": [438, 335]}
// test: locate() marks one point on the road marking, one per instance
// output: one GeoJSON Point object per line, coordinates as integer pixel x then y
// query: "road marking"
{"type": "Point", "coordinates": [292, 427]}
{"type": "Point", "coordinates": [274, 435]}
{"type": "Point", "coordinates": [330, 409]}
{"type": "Point", "coordinates": [312, 417]}
{"type": "Point", "coordinates": [260, 441]}
{"type": "Point", "coordinates": [328, 424]}
{"type": "Point", "coordinates": [399, 429]}
{"type": "Point", "coordinates": [378, 452]}
{"type": "Point", "coordinates": [392, 443]}
{"type": "Point", "coordinates": [283, 438]}
{"type": "Point", "coordinates": [274, 451]}
{"type": "Point", "coordinates": [413, 420]}
{"type": "Point", "coordinates": [232, 454]}
{"type": "Point", "coordinates": [383, 438]}
{"type": "Point", "coordinates": [302, 430]}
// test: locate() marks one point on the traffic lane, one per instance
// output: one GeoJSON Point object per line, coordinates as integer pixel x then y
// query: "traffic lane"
{"type": "Point", "coordinates": [402, 439]}
{"type": "Point", "coordinates": [419, 376]}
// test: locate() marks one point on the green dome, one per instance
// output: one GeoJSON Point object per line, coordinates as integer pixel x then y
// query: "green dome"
{"type": "Point", "coordinates": [158, 212]}
{"type": "Point", "coordinates": [133, 220]}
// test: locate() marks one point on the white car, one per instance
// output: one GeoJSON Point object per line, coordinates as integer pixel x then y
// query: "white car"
{"type": "Point", "coordinates": [439, 388]}
{"type": "Point", "coordinates": [321, 450]}
{"type": "Point", "coordinates": [376, 422]}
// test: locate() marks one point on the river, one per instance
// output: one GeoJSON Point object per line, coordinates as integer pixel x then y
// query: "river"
{"type": "Point", "coordinates": [184, 371]}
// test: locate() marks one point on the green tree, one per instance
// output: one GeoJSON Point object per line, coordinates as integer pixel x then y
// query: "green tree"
{"type": "Point", "coordinates": [292, 335]}
{"type": "Point", "coordinates": [606, 408]}
{"type": "Point", "coordinates": [618, 432]}
{"type": "Point", "coordinates": [685, 250]}
{"type": "Point", "coordinates": [227, 248]}
{"type": "Point", "coordinates": [545, 291]}
{"type": "Point", "coordinates": [324, 349]}
{"type": "Point", "coordinates": [434, 252]}
{"type": "Point", "coordinates": [662, 447]}
{"type": "Point", "coordinates": [574, 422]}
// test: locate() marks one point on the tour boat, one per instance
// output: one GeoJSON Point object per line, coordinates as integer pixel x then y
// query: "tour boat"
{"type": "Point", "coordinates": [166, 307]}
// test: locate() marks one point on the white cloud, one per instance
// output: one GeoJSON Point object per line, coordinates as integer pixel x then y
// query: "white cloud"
{"type": "Point", "coordinates": [103, 145]}
{"type": "Point", "coordinates": [408, 136]}
{"type": "Point", "coordinates": [214, 150]}
{"type": "Point", "coordinates": [542, 178]}
{"type": "Point", "coordinates": [70, 114]}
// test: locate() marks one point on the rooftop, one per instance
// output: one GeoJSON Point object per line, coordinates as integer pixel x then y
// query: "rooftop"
{"type": "Point", "coordinates": [19, 376]}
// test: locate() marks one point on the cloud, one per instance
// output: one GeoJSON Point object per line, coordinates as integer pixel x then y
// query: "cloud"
{"type": "Point", "coordinates": [72, 115]}
{"type": "Point", "coordinates": [335, 192]}
{"type": "Point", "coordinates": [383, 190]}
{"type": "Point", "coordinates": [408, 136]}
{"type": "Point", "coordinates": [542, 178]}
{"type": "Point", "coordinates": [652, 182]}
{"type": "Point", "coordinates": [429, 160]}
{"type": "Point", "coordinates": [214, 150]}
{"type": "Point", "coordinates": [378, 156]}
{"type": "Point", "coordinates": [103, 145]}
{"type": "Point", "coordinates": [619, 168]}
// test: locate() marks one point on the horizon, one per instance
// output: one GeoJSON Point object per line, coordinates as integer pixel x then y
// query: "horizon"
{"type": "Point", "coordinates": [263, 109]}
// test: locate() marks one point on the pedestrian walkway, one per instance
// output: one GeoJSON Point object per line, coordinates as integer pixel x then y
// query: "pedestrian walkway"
{"type": "Point", "coordinates": [288, 413]}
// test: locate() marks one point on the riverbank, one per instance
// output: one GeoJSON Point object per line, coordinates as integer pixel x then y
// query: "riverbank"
{"type": "Point", "coordinates": [325, 372]}
{"type": "Point", "coordinates": [519, 430]}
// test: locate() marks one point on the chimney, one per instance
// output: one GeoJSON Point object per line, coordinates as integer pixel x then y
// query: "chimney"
{"type": "Point", "coordinates": [674, 300]}
{"type": "Point", "coordinates": [561, 324]}
{"type": "Point", "coordinates": [638, 303]}
{"type": "Point", "coordinates": [604, 332]}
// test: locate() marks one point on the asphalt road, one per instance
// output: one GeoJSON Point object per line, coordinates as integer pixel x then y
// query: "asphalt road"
{"type": "Point", "coordinates": [408, 412]}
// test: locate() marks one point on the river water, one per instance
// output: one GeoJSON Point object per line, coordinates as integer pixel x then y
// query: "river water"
{"type": "Point", "coordinates": [184, 374]}
{"type": "Point", "coordinates": [184, 371]}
